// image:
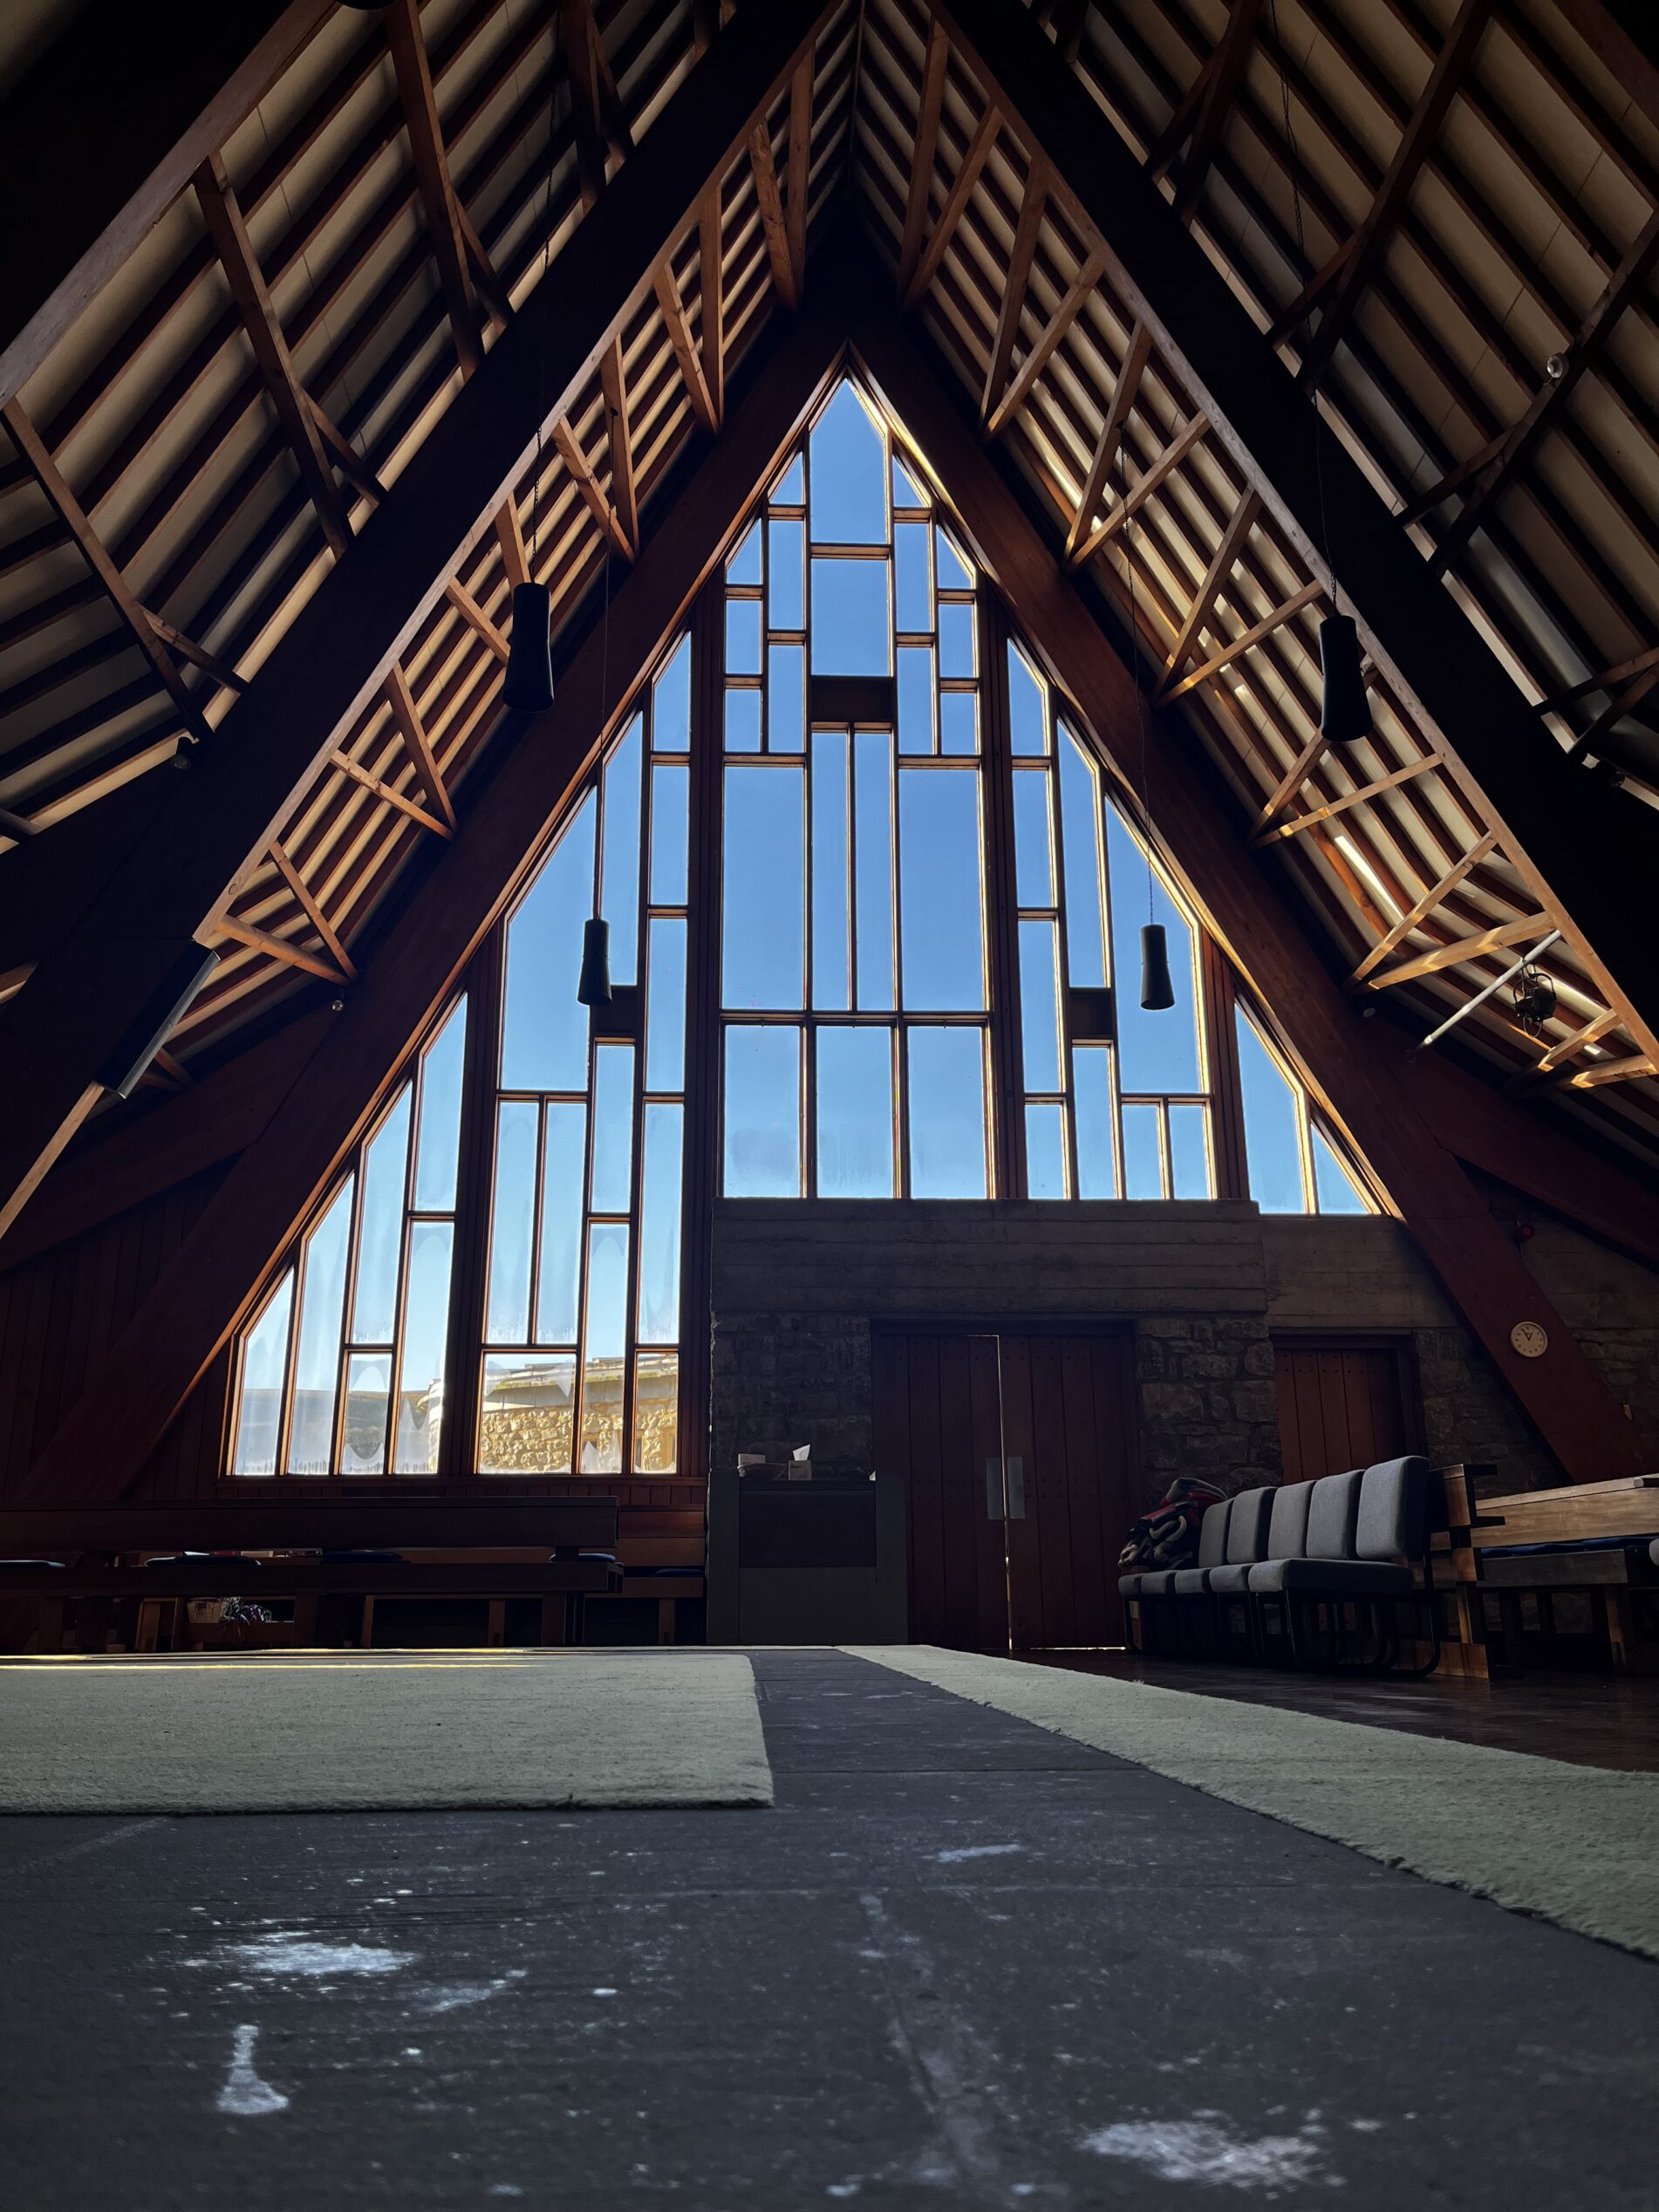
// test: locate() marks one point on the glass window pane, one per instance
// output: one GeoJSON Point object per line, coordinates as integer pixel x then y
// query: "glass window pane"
{"type": "Point", "coordinates": [763, 918]}
{"type": "Point", "coordinates": [1091, 1077]}
{"type": "Point", "coordinates": [905, 493]}
{"type": "Point", "coordinates": [525, 1419]}
{"type": "Point", "coordinates": [508, 1321]}
{"type": "Point", "coordinates": [1157, 1051]}
{"type": "Point", "coordinates": [915, 698]}
{"type": "Point", "coordinates": [259, 1402]}
{"type": "Point", "coordinates": [944, 1070]}
{"type": "Point", "coordinates": [786, 698]}
{"type": "Point", "coordinates": [913, 577]}
{"type": "Point", "coordinates": [742, 721]}
{"type": "Point", "coordinates": [959, 723]}
{"type": "Point", "coordinates": [1142, 1153]}
{"type": "Point", "coordinates": [545, 1031]}
{"type": "Point", "coordinates": [942, 929]}
{"type": "Point", "coordinates": [742, 637]}
{"type": "Point", "coordinates": [316, 1359]}
{"type": "Point", "coordinates": [956, 626]}
{"type": "Point", "coordinates": [1034, 866]}
{"type": "Point", "coordinates": [620, 858]}
{"type": "Point", "coordinates": [612, 1169]}
{"type": "Point", "coordinates": [850, 623]}
{"type": "Point", "coordinates": [744, 566]}
{"type": "Point", "coordinates": [665, 1008]}
{"type": "Point", "coordinates": [762, 1107]}
{"type": "Point", "coordinates": [559, 1275]}
{"type": "Point", "coordinates": [786, 578]}
{"type": "Point", "coordinates": [846, 456]}
{"type": "Point", "coordinates": [659, 1215]}
{"type": "Point", "coordinates": [603, 1350]}
{"type": "Point", "coordinates": [856, 1114]}
{"type": "Point", "coordinates": [873, 831]}
{"type": "Point", "coordinates": [656, 1413]}
{"type": "Point", "coordinates": [1272, 1148]}
{"type": "Point", "coordinates": [438, 1141]}
{"type": "Point", "coordinates": [670, 797]}
{"type": "Point", "coordinates": [368, 1395]}
{"type": "Point", "coordinates": [425, 1321]}
{"type": "Point", "coordinates": [374, 1304]}
{"type": "Point", "coordinates": [790, 489]}
{"type": "Point", "coordinates": [671, 708]}
{"type": "Point", "coordinates": [1190, 1152]}
{"type": "Point", "coordinates": [1045, 1151]}
{"type": "Point", "coordinates": [1335, 1188]}
{"type": "Point", "coordinates": [954, 574]}
{"type": "Point", "coordinates": [1080, 835]}
{"type": "Point", "coordinates": [1039, 1006]}
{"type": "Point", "coordinates": [1027, 709]}
{"type": "Point", "coordinates": [832, 886]}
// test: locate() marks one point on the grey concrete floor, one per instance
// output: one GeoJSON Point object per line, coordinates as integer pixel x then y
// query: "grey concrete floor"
{"type": "Point", "coordinates": [962, 1962]}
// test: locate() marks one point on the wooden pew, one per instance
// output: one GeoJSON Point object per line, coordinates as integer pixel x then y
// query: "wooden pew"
{"type": "Point", "coordinates": [458, 1546]}
{"type": "Point", "coordinates": [1614, 1587]}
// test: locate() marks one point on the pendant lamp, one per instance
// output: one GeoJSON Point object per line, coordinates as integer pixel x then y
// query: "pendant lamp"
{"type": "Point", "coordinates": [529, 684]}
{"type": "Point", "coordinates": [1345, 714]}
{"type": "Point", "coordinates": [1158, 993]}
{"type": "Point", "coordinates": [594, 987]}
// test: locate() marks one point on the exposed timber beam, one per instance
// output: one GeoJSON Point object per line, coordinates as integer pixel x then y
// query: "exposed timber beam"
{"type": "Point", "coordinates": [1240, 525]}
{"type": "Point", "coordinates": [416, 743]}
{"type": "Point", "coordinates": [1124, 394]}
{"type": "Point", "coordinates": [332, 660]}
{"type": "Point", "coordinates": [1365, 251]}
{"type": "Point", "coordinates": [1224, 73]}
{"type": "Point", "coordinates": [1578, 848]}
{"type": "Point", "coordinates": [581, 65]}
{"type": "Point", "coordinates": [624, 491]}
{"type": "Point", "coordinates": [1305, 595]}
{"type": "Point", "coordinates": [1141, 490]}
{"type": "Point", "coordinates": [934, 62]}
{"type": "Point", "coordinates": [31, 449]}
{"type": "Point", "coordinates": [962, 184]}
{"type": "Point", "coordinates": [439, 202]}
{"type": "Point", "coordinates": [221, 212]}
{"type": "Point", "coordinates": [1359, 1065]}
{"type": "Point", "coordinates": [118, 163]}
{"type": "Point", "coordinates": [685, 354]}
{"type": "Point", "coordinates": [602, 507]}
{"type": "Point", "coordinates": [205, 1291]}
{"type": "Point", "coordinates": [474, 617]}
{"type": "Point", "coordinates": [711, 280]}
{"type": "Point", "coordinates": [1459, 949]}
{"type": "Point", "coordinates": [1461, 867]}
{"type": "Point", "coordinates": [1015, 279]}
{"type": "Point", "coordinates": [798, 186]}
{"type": "Point", "coordinates": [288, 869]}
{"type": "Point", "coordinates": [1043, 350]}
{"type": "Point", "coordinates": [1569, 1049]}
{"type": "Point", "coordinates": [399, 801]}
{"type": "Point", "coordinates": [774, 218]}
{"type": "Point", "coordinates": [1523, 440]}
{"type": "Point", "coordinates": [1332, 807]}
{"type": "Point", "coordinates": [282, 949]}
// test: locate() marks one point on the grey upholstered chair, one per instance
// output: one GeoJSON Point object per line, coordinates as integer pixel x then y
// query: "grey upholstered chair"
{"type": "Point", "coordinates": [1152, 1591]}
{"type": "Point", "coordinates": [1202, 1624]}
{"type": "Point", "coordinates": [1364, 1529]}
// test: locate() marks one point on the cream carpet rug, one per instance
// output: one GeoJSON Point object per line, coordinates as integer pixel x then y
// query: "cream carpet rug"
{"type": "Point", "coordinates": [364, 1731]}
{"type": "Point", "coordinates": [1576, 1845]}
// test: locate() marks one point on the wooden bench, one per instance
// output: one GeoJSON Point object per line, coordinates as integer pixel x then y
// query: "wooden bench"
{"type": "Point", "coordinates": [99, 1554]}
{"type": "Point", "coordinates": [1525, 1594]}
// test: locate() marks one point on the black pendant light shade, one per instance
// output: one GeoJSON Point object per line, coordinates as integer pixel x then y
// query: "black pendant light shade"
{"type": "Point", "coordinates": [1345, 715]}
{"type": "Point", "coordinates": [1156, 990]}
{"type": "Point", "coordinates": [594, 989]}
{"type": "Point", "coordinates": [529, 687]}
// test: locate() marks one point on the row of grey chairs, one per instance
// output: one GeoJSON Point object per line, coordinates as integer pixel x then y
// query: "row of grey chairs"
{"type": "Point", "coordinates": [1307, 1565]}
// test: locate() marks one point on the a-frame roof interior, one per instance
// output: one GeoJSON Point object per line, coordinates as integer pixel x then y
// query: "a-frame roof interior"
{"type": "Point", "coordinates": [272, 469]}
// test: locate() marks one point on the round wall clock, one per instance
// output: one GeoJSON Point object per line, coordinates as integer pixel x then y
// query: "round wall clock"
{"type": "Point", "coordinates": [1529, 1340]}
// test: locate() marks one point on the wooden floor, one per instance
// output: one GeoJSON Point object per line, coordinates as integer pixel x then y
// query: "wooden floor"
{"type": "Point", "coordinates": [1590, 1720]}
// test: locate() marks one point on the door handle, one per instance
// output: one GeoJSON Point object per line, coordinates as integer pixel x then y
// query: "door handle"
{"type": "Point", "coordinates": [1016, 1489]}
{"type": "Point", "coordinates": [994, 1489]}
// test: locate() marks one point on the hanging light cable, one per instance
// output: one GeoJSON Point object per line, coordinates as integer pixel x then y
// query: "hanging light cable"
{"type": "Point", "coordinates": [593, 988]}
{"type": "Point", "coordinates": [528, 686]}
{"type": "Point", "coordinates": [1345, 711]}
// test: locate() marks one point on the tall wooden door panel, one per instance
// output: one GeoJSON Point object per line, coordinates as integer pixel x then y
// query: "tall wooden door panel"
{"type": "Point", "coordinates": [1339, 1406]}
{"type": "Point", "coordinates": [1019, 1451]}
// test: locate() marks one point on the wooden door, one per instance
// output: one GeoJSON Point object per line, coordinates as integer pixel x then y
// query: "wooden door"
{"type": "Point", "coordinates": [1019, 1453]}
{"type": "Point", "coordinates": [1341, 1405]}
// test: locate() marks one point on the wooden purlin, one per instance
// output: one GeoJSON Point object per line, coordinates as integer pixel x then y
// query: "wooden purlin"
{"type": "Point", "coordinates": [334, 656]}
{"type": "Point", "coordinates": [204, 1293]}
{"type": "Point", "coordinates": [1221, 77]}
{"type": "Point", "coordinates": [1356, 1065]}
